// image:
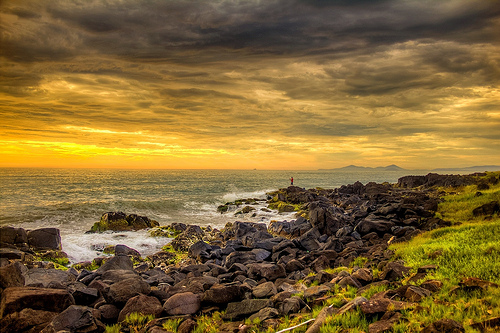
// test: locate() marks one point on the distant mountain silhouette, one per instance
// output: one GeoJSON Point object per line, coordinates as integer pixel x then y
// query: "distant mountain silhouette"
{"type": "Point", "coordinates": [477, 168]}
{"type": "Point", "coordinates": [391, 167]}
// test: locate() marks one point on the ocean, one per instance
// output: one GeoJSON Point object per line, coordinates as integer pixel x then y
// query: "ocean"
{"type": "Point", "coordinates": [73, 199]}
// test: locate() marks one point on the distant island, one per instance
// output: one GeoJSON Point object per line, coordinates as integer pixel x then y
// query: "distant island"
{"type": "Point", "coordinates": [351, 167]}
{"type": "Point", "coordinates": [393, 167]}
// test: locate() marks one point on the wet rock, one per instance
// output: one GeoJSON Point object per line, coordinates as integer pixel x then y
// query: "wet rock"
{"type": "Point", "coordinates": [182, 304]}
{"type": "Point", "coordinates": [45, 239]}
{"type": "Point", "coordinates": [14, 237]}
{"type": "Point", "coordinates": [116, 262]}
{"type": "Point", "coordinates": [119, 221]}
{"type": "Point", "coordinates": [123, 250]}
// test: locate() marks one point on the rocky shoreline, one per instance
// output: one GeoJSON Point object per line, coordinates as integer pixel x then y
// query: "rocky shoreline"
{"type": "Point", "coordinates": [250, 272]}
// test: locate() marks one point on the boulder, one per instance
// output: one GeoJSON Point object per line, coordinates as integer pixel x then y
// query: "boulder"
{"type": "Point", "coordinates": [416, 294]}
{"type": "Point", "coordinates": [326, 218]}
{"type": "Point", "coordinates": [380, 306]}
{"type": "Point", "coordinates": [16, 237]}
{"type": "Point", "coordinates": [245, 308]}
{"type": "Point", "coordinates": [385, 324]}
{"type": "Point", "coordinates": [200, 251]}
{"type": "Point", "coordinates": [75, 318]}
{"type": "Point", "coordinates": [43, 277]}
{"type": "Point", "coordinates": [241, 257]}
{"type": "Point", "coordinates": [12, 275]}
{"type": "Point", "coordinates": [316, 291]}
{"type": "Point", "coordinates": [487, 209]}
{"type": "Point", "coordinates": [146, 305]}
{"type": "Point", "coordinates": [187, 326]}
{"type": "Point", "coordinates": [116, 275]}
{"type": "Point", "coordinates": [120, 292]}
{"type": "Point", "coordinates": [444, 326]}
{"type": "Point", "coordinates": [291, 305]}
{"type": "Point", "coordinates": [45, 239]}
{"type": "Point", "coordinates": [222, 294]}
{"type": "Point", "coordinates": [309, 240]}
{"type": "Point", "coordinates": [119, 221]}
{"type": "Point", "coordinates": [363, 275]}
{"type": "Point", "coordinates": [264, 290]}
{"type": "Point", "coordinates": [109, 313]}
{"type": "Point", "coordinates": [14, 299]}
{"type": "Point", "coordinates": [379, 226]}
{"type": "Point", "coordinates": [84, 295]}
{"type": "Point", "coordinates": [394, 271]}
{"type": "Point", "coordinates": [12, 254]}
{"type": "Point", "coordinates": [267, 271]}
{"type": "Point", "coordinates": [182, 304]}
{"type": "Point", "coordinates": [26, 320]}
{"type": "Point", "coordinates": [116, 262]}
{"type": "Point", "coordinates": [124, 250]}
{"type": "Point", "coordinates": [265, 313]}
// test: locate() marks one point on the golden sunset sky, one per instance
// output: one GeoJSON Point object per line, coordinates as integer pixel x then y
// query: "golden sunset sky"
{"type": "Point", "coordinates": [274, 84]}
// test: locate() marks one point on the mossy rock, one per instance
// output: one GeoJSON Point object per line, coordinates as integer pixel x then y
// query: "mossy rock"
{"type": "Point", "coordinates": [164, 231]}
{"type": "Point", "coordinates": [223, 208]}
{"type": "Point", "coordinates": [283, 207]}
{"type": "Point", "coordinates": [119, 221]}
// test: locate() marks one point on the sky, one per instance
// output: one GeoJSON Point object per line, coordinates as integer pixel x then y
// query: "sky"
{"type": "Point", "coordinates": [244, 84]}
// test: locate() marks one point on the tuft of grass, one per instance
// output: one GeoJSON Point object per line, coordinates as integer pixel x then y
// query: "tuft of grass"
{"type": "Point", "coordinates": [172, 324]}
{"type": "Point", "coordinates": [208, 323]}
{"type": "Point", "coordinates": [353, 321]}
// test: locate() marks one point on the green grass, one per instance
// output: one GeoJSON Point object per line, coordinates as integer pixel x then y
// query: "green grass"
{"type": "Point", "coordinates": [469, 248]}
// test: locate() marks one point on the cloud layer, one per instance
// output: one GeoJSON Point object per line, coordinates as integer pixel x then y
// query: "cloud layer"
{"type": "Point", "coordinates": [250, 84]}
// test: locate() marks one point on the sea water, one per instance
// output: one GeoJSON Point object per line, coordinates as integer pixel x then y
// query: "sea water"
{"type": "Point", "coordinates": [73, 199]}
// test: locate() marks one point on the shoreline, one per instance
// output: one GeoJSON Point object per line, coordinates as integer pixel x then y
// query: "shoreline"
{"type": "Point", "coordinates": [253, 274]}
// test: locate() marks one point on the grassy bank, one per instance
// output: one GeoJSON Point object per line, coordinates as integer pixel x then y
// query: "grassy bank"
{"type": "Point", "coordinates": [469, 248]}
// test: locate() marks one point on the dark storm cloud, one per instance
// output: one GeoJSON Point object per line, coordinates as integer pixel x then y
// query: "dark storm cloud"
{"type": "Point", "coordinates": [160, 30]}
{"type": "Point", "coordinates": [384, 73]}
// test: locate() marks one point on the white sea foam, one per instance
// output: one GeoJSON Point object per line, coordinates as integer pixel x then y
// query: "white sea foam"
{"type": "Point", "coordinates": [83, 247]}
